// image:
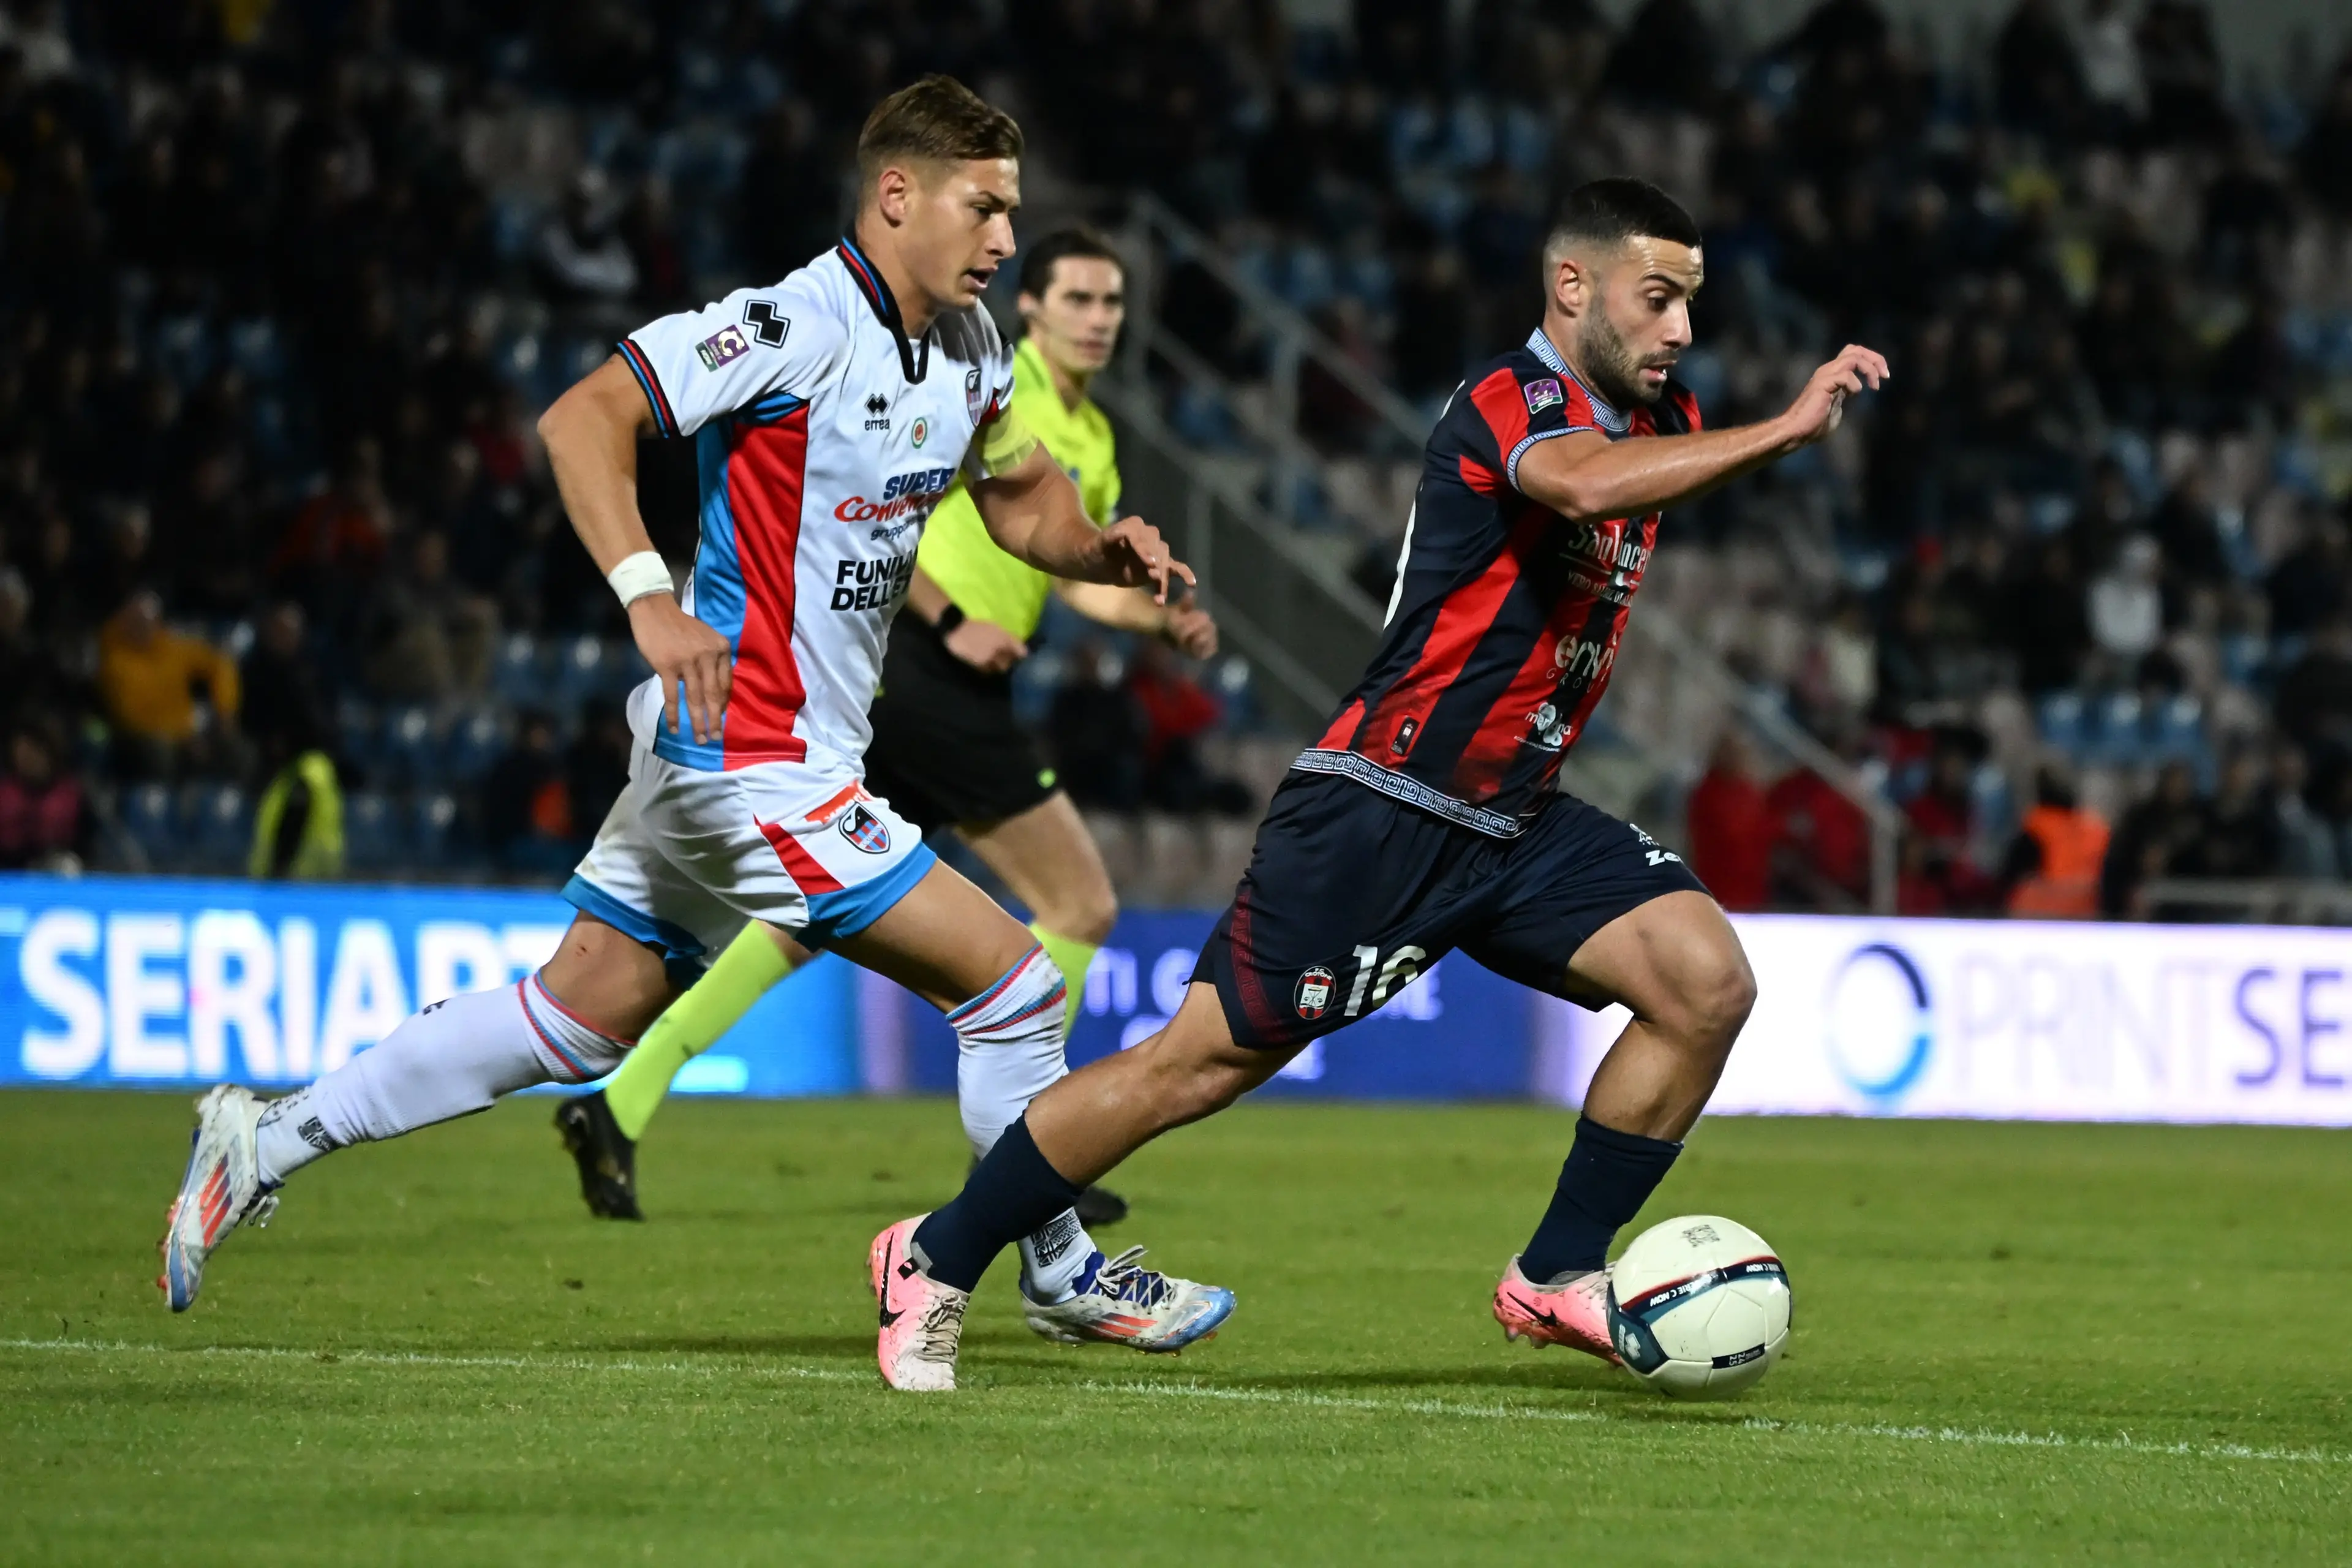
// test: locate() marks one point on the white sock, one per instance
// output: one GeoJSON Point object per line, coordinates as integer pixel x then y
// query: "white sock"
{"type": "Point", "coordinates": [452, 1059]}
{"type": "Point", "coordinates": [1010, 1039]}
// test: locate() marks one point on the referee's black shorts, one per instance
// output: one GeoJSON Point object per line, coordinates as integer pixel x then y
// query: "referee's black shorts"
{"type": "Point", "coordinates": [945, 748]}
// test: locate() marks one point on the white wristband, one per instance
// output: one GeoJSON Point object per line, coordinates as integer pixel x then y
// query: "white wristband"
{"type": "Point", "coordinates": [640, 574]}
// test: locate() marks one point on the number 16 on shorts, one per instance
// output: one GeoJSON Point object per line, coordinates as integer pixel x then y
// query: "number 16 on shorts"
{"type": "Point", "coordinates": [1374, 981]}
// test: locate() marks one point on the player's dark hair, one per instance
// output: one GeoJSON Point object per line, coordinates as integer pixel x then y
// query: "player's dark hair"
{"type": "Point", "coordinates": [1076, 241]}
{"type": "Point", "coordinates": [1612, 211]}
{"type": "Point", "coordinates": [937, 121]}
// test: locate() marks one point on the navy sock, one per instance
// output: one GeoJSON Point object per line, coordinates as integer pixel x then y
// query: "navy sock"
{"type": "Point", "coordinates": [1008, 1195]}
{"type": "Point", "coordinates": [1607, 1178]}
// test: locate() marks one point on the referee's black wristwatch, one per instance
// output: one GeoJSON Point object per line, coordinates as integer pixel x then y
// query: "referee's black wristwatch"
{"type": "Point", "coordinates": [949, 619]}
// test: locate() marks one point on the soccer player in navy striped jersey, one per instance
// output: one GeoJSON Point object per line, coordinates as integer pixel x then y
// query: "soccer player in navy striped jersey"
{"type": "Point", "coordinates": [1427, 816]}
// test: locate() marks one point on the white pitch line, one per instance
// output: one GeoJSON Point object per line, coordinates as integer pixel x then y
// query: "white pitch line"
{"type": "Point", "coordinates": [715, 1367]}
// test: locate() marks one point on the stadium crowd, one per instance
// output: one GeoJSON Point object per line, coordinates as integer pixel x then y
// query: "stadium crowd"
{"type": "Point", "coordinates": [2075, 593]}
{"type": "Point", "coordinates": [282, 287]}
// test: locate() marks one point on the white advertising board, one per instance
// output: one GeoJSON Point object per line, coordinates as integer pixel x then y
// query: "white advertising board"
{"type": "Point", "coordinates": [2023, 1019]}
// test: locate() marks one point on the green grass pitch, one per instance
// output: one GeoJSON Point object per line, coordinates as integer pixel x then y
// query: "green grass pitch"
{"type": "Point", "coordinates": [2013, 1344]}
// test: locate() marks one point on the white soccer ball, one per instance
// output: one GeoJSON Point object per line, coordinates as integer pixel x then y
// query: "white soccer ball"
{"type": "Point", "coordinates": [1698, 1306]}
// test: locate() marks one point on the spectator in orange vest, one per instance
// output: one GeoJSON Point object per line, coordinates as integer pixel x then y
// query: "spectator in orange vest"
{"type": "Point", "coordinates": [2054, 865]}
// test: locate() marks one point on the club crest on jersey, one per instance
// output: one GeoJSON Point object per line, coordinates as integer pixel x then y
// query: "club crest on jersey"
{"type": "Point", "coordinates": [866, 831]}
{"type": "Point", "coordinates": [972, 401]}
{"type": "Point", "coordinates": [1314, 994]}
{"type": "Point", "coordinates": [728, 342]}
{"type": "Point", "coordinates": [1545, 393]}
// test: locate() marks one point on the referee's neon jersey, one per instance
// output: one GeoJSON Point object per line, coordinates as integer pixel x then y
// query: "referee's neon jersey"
{"type": "Point", "coordinates": [823, 438]}
{"type": "Point", "coordinates": [1504, 626]}
{"type": "Point", "coordinates": [957, 552]}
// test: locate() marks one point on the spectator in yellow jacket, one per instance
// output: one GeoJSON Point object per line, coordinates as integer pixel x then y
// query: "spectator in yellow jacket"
{"type": "Point", "coordinates": [148, 675]}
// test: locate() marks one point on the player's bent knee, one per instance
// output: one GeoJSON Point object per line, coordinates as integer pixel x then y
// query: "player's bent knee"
{"type": "Point", "coordinates": [1095, 917]}
{"type": "Point", "coordinates": [1719, 992]}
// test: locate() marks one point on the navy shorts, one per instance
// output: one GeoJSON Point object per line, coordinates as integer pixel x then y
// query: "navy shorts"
{"type": "Point", "coordinates": [1350, 895]}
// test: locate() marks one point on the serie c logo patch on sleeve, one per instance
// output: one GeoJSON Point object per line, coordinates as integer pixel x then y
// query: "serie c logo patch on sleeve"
{"type": "Point", "coordinates": [1545, 393]}
{"type": "Point", "coordinates": [728, 342]}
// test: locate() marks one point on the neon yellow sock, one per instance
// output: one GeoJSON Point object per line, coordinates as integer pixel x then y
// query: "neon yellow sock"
{"type": "Point", "coordinates": [750, 967]}
{"type": "Point", "coordinates": [1071, 956]}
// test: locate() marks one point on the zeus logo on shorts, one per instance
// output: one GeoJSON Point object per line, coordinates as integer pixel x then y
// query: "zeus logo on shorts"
{"type": "Point", "coordinates": [1314, 994]}
{"type": "Point", "coordinates": [865, 830]}
{"type": "Point", "coordinates": [1542, 394]}
{"type": "Point", "coordinates": [728, 342]}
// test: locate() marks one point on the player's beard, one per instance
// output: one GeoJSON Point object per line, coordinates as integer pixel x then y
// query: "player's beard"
{"type": "Point", "coordinates": [1614, 367]}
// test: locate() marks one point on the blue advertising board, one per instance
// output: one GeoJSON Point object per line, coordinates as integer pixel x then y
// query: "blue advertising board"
{"type": "Point", "coordinates": [152, 982]}
{"type": "Point", "coordinates": [158, 983]}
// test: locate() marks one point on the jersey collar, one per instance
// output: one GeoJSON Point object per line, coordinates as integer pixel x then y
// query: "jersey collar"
{"type": "Point", "coordinates": [915, 359]}
{"type": "Point", "coordinates": [1608, 418]}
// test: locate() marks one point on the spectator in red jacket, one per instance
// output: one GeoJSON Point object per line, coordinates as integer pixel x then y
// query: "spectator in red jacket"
{"type": "Point", "coordinates": [1176, 713]}
{"type": "Point", "coordinates": [1824, 841]}
{"type": "Point", "coordinates": [1731, 827]}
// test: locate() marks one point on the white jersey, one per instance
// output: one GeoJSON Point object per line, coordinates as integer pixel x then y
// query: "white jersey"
{"type": "Point", "coordinates": [823, 440]}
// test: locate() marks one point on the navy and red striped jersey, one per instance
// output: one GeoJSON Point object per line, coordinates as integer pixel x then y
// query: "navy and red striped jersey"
{"type": "Point", "coordinates": [1504, 624]}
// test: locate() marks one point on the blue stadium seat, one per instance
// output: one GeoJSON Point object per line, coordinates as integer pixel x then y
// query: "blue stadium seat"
{"type": "Point", "coordinates": [580, 674]}
{"type": "Point", "coordinates": [433, 820]}
{"type": "Point", "coordinates": [2061, 721]}
{"type": "Point", "coordinates": [624, 668]}
{"type": "Point", "coordinates": [359, 732]}
{"type": "Point", "coordinates": [369, 840]}
{"type": "Point", "coordinates": [1236, 686]}
{"type": "Point", "coordinates": [1035, 682]}
{"type": "Point", "coordinates": [517, 677]}
{"type": "Point", "coordinates": [409, 750]}
{"type": "Point", "coordinates": [475, 743]}
{"type": "Point", "coordinates": [220, 826]}
{"type": "Point", "coordinates": [2118, 735]}
{"type": "Point", "coordinates": [255, 347]}
{"type": "Point", "coordinates": [147, 817]}
{"type": "Point", "coordinates": [2245, 659]}
{"type": "Point", "coordinates": [2180, 728]}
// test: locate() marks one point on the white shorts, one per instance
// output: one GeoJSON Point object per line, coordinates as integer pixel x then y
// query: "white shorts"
{"type": "Point", "coordinates": [688, 855]}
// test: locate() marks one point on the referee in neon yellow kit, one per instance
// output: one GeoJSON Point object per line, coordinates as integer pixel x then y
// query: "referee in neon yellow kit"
{"type": "Point", "coordinates": [946, 751]}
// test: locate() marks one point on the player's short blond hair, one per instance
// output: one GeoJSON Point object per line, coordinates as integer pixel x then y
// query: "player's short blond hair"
{"type": "Point", "coordinates": [936, 120]}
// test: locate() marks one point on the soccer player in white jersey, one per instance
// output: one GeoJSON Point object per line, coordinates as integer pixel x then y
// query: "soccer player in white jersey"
{"type": "Point", "coordinates": [829, 415]}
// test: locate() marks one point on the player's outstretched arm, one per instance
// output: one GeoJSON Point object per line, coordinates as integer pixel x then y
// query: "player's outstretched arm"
{"type": "Point", "coordinates": [1184, 625]}
{"type": "Point", "coordinates": [1590, 478]}
{"type": "Point", "coordinates": [1033, 511]}
{"type": "Point", "coordinates": [592, 433]}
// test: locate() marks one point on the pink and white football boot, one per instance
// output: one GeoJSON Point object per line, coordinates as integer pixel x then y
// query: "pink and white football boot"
{"type": "Point", "coordinates": [922, 1320]}
{"type": "Point", "coordinates": [1571, 1311]}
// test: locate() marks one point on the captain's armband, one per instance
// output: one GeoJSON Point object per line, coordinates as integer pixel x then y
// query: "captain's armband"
{"type": "Point", "coordinates": [1005, 443]}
